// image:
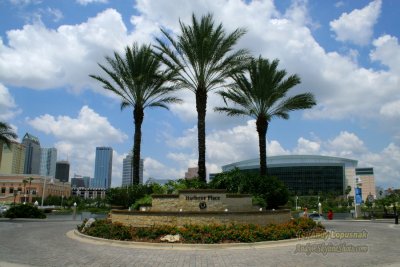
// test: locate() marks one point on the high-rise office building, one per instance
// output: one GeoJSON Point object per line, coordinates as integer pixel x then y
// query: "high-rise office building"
{"type": "Point", "coordinates": [13, 159]}
{"type": "Point", "coordinates": [127, 171]}
{"type": "Point", "coordinates": [62, 171]}
{"type": "Point", "coordinates": [86, 181]}
{"type": "Point", "coordinates": [32, 154]}
{"type": "Point", "coordinates": [48, 159]}
{"type": "Point", "coordinates": [103, 167]}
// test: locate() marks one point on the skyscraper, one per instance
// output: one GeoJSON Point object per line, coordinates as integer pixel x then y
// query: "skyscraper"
{"type": "Point", "coordinates": [48, 159]}
{"type": "Point", "coordinates": [62, 171]}
{"type": "Point", "coordinates": [103, 167]}
{"type": "Point", "coordinates": [127, 171]}
{"type": "Point", "coordinates": [13, 159]}
{"type": "Point", "coordinates": [32, 154]}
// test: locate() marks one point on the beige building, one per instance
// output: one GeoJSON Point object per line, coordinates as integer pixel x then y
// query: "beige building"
{"type": "Point", "coordinates": [13, 189]}
{"type": "Point", "coordinates": [367, 178]}
{"type": "Point", "coordinates": [13, 159]}
{"type": "Point", "coordinates": [192, 173]}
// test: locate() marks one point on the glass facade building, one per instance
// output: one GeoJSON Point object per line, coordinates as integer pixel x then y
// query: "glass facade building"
{"type": "Point", "coordinates": [306, 174]}
{"type": "Point", "coordinates": [127, 171]}
{"type": "Point", "coordinates": [103, 167]}
{"type": "Point", "coordinates": [62, 171]}
{"type": "Point", "coordinates": [48, 159]}
{"type": "Point", "coordinates": [32, 154]}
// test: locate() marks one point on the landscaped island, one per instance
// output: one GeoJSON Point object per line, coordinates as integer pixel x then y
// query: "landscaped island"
{"type": "Point", "coordinates": [204, 234]}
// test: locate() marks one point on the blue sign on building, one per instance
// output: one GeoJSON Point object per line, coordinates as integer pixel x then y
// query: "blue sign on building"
{"type": "Point", "coordinates": [358, 196]}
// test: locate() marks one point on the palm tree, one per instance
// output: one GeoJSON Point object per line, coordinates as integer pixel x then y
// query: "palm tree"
{"type": "Point", "coordinates": [203, 58]}
{"type": "Point", "coordinates": [137, 78]}
{"type": "Point", "coordinates": [6, 136]}
{"type": "Point", "coordinates": [262, 95]}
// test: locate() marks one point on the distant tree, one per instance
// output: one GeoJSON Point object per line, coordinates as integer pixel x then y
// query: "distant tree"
{"type": "Point", "coordinates": [138, 79]}
{"type": "Point", "coordinates": [270, 189]}
{"type": "Point", "coordinates": [261, 93]}
{"type": "Point", "coordinates": [203, 57]}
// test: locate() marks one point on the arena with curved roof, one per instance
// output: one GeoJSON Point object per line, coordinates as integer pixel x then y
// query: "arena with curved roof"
{"type": "Point", "coordinates": [310, 174]}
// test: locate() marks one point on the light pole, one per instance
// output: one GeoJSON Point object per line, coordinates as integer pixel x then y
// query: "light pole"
{"type": "Point", "coordinates": [297, 198]}
{"type": "Point", "coordinates": [319, 208]}
{"type": "Point", "coordinates": [74, 214]}
{"type": "Point", "coordinates": [15, 196]}
{"type": "Point", "coordinates": [357, 197]}
{"type": "Point", "coordinates": [62, 195]}
{"type": "Point", "coordinates": [44, 188]}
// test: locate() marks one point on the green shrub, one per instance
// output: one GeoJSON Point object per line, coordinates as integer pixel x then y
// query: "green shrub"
{"type": "Point", "coordinates": [108, 230]}
{"type": "Point", "coordinates": [144, 201]}
{"type": "Point", "coordinates": [24, 211]}
{"type": "Point", "coordinates": [206, 234]}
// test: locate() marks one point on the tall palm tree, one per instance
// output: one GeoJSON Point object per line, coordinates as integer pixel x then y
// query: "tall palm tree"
{"type": "Point", "coordinates": [138, 79]}
{"type": "Point", "coordinates": [203, 58]}
{"type": "Point", "coordinates": [6, 136]}
{"type": "Point", "coordinates": [261, 93]}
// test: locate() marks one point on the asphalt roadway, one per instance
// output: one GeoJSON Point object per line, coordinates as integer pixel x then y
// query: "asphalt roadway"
{"type": "Point", "coordinates": [51, 242]}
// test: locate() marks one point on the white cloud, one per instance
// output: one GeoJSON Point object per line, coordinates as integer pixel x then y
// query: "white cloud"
{"type": "Point", "coordinates": [25, 2]}
{"type": "Point", "coordinates": [223, 147]}
{"type": "Point", "coordinates": [86, 2]}
{"type": "Point", "coordinates": [339, 4]}
{"type": "Point", "coordinates": [387, 51]}
{"type": "Point", "coordinates": [345, 145]}
{"type": "Point", "coordinates": [8, 107]}
{"type": "Point", "coordinates": [32, 56]}
{"type": "Point", "coordinates": [357, 26]}
{"type": "Point", "coordinates": [77, 139]}
{"type": "Point", "coordinates": [55, 13]}
{"type": "Point", "coordinates": [307, 147]}
{"type": "Point", "coordinates": [391, 109]}
{"type": "Point", "coordinates": [42, 58]}
{"type": "Point", "coordinates": [157, 170]}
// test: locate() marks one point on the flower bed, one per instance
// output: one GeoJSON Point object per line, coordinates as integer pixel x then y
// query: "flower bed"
{"type": "Point", "coordinates": [205, 234]}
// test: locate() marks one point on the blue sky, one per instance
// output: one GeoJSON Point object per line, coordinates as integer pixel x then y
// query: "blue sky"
{"type": "Point", "coordinates": [346, 53]}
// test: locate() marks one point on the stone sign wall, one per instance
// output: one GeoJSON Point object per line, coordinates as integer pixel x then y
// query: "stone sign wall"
{"type": "Point", "coordinates": [203, 200]}
{"type": "Point", "coordinates": [200, 207]}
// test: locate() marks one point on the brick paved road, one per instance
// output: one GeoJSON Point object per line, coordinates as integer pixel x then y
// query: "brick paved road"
{"type": "Point", "coordinates": [44, 243]}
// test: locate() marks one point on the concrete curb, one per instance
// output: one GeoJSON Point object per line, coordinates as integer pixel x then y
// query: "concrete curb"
{"type": "Point", "coordinates": [76, 235]}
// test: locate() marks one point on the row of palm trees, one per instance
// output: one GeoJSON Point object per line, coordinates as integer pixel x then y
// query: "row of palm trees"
{"type": "Point", "coordinates": [202, 59]}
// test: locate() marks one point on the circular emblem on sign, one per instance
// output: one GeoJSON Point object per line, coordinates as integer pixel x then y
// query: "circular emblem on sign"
{"type": "Point", "coordinates": [203, 205]}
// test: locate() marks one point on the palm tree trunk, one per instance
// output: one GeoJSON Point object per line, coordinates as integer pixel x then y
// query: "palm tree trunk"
{"type": "Point", "coordinates": [262, 127]}
{"type": "Point", "coordinates": [138, 115]}
{"type": "Point", "coordinates": [201, 107]}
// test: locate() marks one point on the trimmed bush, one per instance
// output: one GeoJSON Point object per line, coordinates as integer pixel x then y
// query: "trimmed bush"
{"type": "Point", "coordinates": [24, 211]}
{"type": "Point", "coordinates": [206, 234]}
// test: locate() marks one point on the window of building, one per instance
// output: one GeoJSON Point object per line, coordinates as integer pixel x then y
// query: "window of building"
{"type": "Point", "coordinates": [11, 190]}
{"type": "Point", "coordinates": [3, 190]}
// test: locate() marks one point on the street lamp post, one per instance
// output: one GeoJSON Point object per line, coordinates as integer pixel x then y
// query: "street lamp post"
{"type": "Point", "coordinates": [15, 196]}
{"type": "Point", "coordinates": [44, 188]}
{"type": "Point", "coordinates": [74, 214]}
{"type": "Point", "coordinates": [297, 198]}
